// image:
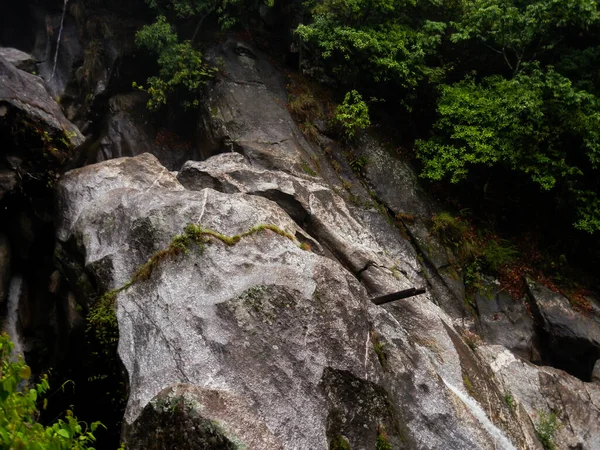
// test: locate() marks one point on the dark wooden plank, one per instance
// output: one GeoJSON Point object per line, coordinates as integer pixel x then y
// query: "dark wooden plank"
{"type": "Point", "coordinates": [398, 295]}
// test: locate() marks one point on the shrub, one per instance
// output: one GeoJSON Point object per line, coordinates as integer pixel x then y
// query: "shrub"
{"type": "Point", "coordinates": [383, 440]}
{"type": "Point", "coordinates": [182, 71]}
{"type": "Point", "coordinates": [19, 428]}
{"type": "Point", "coordinates": [352, 115]}
{"type": "Point", "coordinates": [546, 428]}
{"type": "Point", "coordinates": [448, 228]}
{"type": "Point", "coordinates": [498, 253]}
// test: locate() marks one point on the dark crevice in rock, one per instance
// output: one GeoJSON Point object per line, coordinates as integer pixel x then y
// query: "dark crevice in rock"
{"type": "Point", "coordinates": [575, 355]}
{"type": "Point", "coordinates": [289, 204]}
{"type": "Point", "coordinates": [366, 267]}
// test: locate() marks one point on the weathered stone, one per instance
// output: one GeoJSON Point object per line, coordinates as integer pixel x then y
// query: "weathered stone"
{"type": "Point", "coordinates": [187, 417]}
{"type": "Point", "coordinates": [245, 111]}
{"type": "Point", "coordinates": [26, 93]}
{"type": "Point", "coordinates": [544, 390]}
{"type": "Point", "coordinates": [277, 340]}
{"type": "Point", "coordinates": [505, 321]}
{"type": "Point", "coordinates": [80, 187]}
{"type": "Point", "coordinates": [313, 206]}
{"type": "Point", "coordinates": [129, 133]}
{"type": "Point", "coordinates": [395, 184]}
{"type": "Point", "coordinates": [19, 59]}
{"type": "Point", "coordinates": [572, 339]}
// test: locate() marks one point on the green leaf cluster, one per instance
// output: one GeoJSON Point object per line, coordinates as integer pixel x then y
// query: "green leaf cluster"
{"type": "Point", "coordinates": [536, 123]}
{"type": "Point", "coordinates": [352, 115]}
{"type": "Point", "coordinates": [182, 70]}
{"type": "Point", "coordinates": [512, 87]}
{"type": "Point", "coordinates": [228, 12]}
{"type": "Point", "coordinates": [19, 426]}
{"type": "Point", "coordinates": [374, 41]}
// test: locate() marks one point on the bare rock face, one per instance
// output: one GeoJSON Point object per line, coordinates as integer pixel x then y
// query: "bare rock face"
{"type": "Point", "coordinates": [562, 407]}
{"type": "Point", "coordinates": [505, 321]}
{"type": "Point", "coordinates": [24, 95]}
{"type": "Point", "coordinates": [572, 338]}
{"type": "Point", "coordinates": [129, 133]}
{"type": "Point", "coordinates": [19, 59]}
{"type": "Point", "coordinates": [258, 341]}
{"type": "Point", "coordinates": [315, 208]}
{"type": "Point", "coordinates": [143, 173]}
{"type": "Point", "coordinates": [245, 111]}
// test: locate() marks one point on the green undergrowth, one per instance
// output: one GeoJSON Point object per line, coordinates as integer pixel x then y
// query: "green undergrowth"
{"type": "Point", "coordinates": [383, 440]}
{"type": "Point", "coordinates": [379, 348]}
{"type": "Point", "coordinates": [21, 399]}
{"type": "Point", "coordinates": [339, 443]}
{"type": "Point", "coordinates": [472, 251]}
{"type": "Point", "coordinates": [546, 427]}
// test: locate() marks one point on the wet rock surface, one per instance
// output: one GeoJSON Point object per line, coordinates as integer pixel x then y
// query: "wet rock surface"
{"type": "Point", "coordinates": [246, 111]}
{"type": "Point", "coordinates": [552, 396]}
{"type": "Point", "coordinates": [289, 333]}
{"type": "Point", "coordinates": [571, 339]}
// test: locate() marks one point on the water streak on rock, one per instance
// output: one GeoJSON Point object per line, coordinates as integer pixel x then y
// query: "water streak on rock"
{"type": "Point", "coordinates": [500, 440]}
{"type": "Point", "coordinates": [12, 318]}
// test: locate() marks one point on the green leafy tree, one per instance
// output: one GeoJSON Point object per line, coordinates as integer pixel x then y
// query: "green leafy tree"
{"type": "Point", "coordinates": [536, 123]}
{"type": "Point", "coordinates": [352, 115]}
{"type": "Point", "coordinates": [381, 41]}
{"type": "Point", "coordinates": [520, 31]}
{"type": "Point", "coordinates": [182, 71]}
{"type": "Point", "coordinates": [19, 428]}
{"type": "Point", "coordinates": [228, 12]}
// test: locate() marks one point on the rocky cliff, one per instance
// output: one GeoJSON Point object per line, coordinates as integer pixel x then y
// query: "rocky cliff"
{"type": "Point", "coordinates": [242, 274]}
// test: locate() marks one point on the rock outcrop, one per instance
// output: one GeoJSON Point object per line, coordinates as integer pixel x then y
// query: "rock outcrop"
{"type": "Point", "coordinates": [242, 287]}
{"type": "Point", "coordinates": [505, 321]}
{"type": "Point", "coordinates": [24, 95]}
{"type": "Point", "coordinates": [315, 208]}
{"type": "Point", "coordinates": [572, 339]}
{"type": "Point", "coordinates": [19, 59]}
{"type": "Point", "coordinates": [129, 132]}
{"type": "Point", "coordinates": [273, 340]}
{"type": "Point", "coordinates": [246, 111]}
{"type": "Point", "coordinates": [565, 408]}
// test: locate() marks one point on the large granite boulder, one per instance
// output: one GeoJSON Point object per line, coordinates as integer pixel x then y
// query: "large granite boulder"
{"type": "Point", "coordinates": [315, 208]}
{"type": "Point", "coordinates": [252, 338]}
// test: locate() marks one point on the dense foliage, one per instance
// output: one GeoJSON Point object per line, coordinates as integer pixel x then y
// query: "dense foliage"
{"type": "Point", "coordinates": [499, 86]}
{"type": "Point", "coordinates": [19, 426]}
{"type": "Point", "coordinates": [182, 72]}
{"type": "Point", "coordinates": [516, 82]}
